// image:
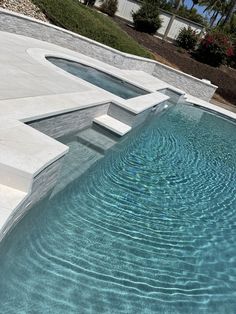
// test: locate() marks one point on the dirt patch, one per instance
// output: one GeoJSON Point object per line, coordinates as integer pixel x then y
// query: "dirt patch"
{"type": "Point", "coordinates": [224, 77]}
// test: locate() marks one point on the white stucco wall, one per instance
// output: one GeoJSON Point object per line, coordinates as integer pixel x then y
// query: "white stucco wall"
{"type": "Point", "coordinates": [126, 7]}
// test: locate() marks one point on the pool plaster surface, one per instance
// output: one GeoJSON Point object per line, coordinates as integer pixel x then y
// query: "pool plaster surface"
{"type": "Point", "coordinates": [31, 88]}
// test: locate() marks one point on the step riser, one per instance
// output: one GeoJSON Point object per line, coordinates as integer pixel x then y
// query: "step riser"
{"type": "Point", "coordinates": [114, 125]}
{"type": "Point", "coordinates": [127, 117]}
{"type": "Point", "coordinates": [91, 145]}
{"type": "Point", "coordinates": [96, 140]}
{"type": "Point", "coordinates": [105, 131]}
{"type": "Point", "coordinates": [14, 178]}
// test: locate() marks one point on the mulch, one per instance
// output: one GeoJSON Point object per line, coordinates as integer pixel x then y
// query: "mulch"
{"type": "Point", "coordinates": [224, 77]}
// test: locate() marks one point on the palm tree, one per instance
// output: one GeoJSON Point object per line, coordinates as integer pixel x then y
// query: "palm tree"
{"type": "Point", "coordinates": [213, 5]}
{"type": "Point", "coordinates": [230, 12]}
{"type": "Point", "coordinates": [195, 2]}
{"type": "Point", "coordinates": [216, 7]}
{"type": "Point", "coordinates": [224, 8]}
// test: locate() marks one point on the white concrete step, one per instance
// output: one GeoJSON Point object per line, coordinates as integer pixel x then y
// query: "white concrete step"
{"type": "Point", "coordinates": [142, 103]}
{"type": "Point", "coordinates": [9, 199]}
{"type": "Point", "coordinates": [112, 124]}
{"type": "Point", "coordinates": [96, 140]}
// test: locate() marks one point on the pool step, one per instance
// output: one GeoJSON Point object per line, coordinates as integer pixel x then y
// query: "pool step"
{"type": "Point", "coordinates": [138, 105]}
{"type": "Point", "coordinates": [96, 140]}
{"type": "Point", "coordinates": [112, 124]}
{"type": "Point", "coordinates": [9, 198]}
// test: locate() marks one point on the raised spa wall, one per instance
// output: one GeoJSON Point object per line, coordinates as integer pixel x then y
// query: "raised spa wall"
{"type": "Point", "coordinates": [22, 25]}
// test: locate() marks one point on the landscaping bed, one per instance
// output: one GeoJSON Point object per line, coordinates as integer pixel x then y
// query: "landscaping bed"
{"type": "Point", "coordinates": [76, 17]}
{"type": "Point", "coordinates": [224, 77]}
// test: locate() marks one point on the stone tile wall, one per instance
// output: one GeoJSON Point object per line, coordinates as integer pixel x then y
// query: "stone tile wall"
{"type": "Point", "coordinates": [70, 122]}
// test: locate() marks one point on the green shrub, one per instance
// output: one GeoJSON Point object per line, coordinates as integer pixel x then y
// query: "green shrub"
{"type": "Point", "coordinates": [215, 49]}
{"type": "Point", "coordinates": [78, 18]}
{"type": "Point", "coordinates": [187, 38]}
{"type": "Point", "coordinates": [109, 7]}
{"type": "Point", "coordinates": [90, 3]}
{"type": "Point", "coordinates": [232, 59]}
{"type": "Point", "coordinates": [147, 19]}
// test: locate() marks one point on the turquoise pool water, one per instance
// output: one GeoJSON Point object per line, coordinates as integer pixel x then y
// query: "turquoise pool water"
{"type": "Point", "coordinates": [99, 78]}
{"type": "Point", "coordinates": [149, 228]}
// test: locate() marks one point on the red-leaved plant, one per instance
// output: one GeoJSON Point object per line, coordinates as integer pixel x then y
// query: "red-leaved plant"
{"type": "Point", "coordinates": [215, 49]}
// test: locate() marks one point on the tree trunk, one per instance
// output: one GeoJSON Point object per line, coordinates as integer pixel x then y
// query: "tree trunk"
{"type": "Point", "coordinates": [230, 12]}
{"type": "Point", "coordinates": [220, 19]}
{"type": "Point", "coordinates": [193, 5]}
{"type": "Point", "coordinates": [178, 4]}
{"type": "Point", "coordinates": [207, 8]}
{"type": "Point", "coordinates": [213, 18]}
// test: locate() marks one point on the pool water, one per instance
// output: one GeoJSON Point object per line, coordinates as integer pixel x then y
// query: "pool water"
{"type": "Point", "coordinates": [99, 78]}
{"type": "Point", "coordinates": [149, 228]}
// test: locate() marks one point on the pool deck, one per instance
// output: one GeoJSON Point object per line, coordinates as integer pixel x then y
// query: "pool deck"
{"type": "Point", "coordinates": [32, 88]}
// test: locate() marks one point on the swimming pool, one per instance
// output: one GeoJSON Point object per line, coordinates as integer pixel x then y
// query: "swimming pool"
{"type": "Point", "coordinates": [149, 228]}
{"type": "Point", "coordinates": [99, 78]}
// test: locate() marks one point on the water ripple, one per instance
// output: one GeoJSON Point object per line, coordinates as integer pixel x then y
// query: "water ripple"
{"type": "Point", "coordinates": [150, 228]}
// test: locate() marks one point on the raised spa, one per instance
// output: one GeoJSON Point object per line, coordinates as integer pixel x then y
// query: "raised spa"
{"type": "Point", "coordinates": [99, 78]}
{"type": "Point", "coordinates": [149, 228]}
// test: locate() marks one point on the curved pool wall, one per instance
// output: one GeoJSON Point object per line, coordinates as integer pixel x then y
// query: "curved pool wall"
{"type": "Point", "coordinates": [99, 250]}
{"type": "Point", "coordinates": [98, 78]}
{"type": "Point", "coordinates": [23, 25]}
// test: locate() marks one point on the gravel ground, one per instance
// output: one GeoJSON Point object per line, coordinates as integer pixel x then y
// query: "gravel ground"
{"type": "Point", "coordinates": [25, 7]}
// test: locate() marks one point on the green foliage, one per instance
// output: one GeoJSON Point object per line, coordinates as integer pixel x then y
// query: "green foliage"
{"type": "Point", "coordinates": [147, 19]}
{"type": "Point", "coordinates": [109, 7]}
{"type": "Point", "coordinates": [230, 28]}
{"type": "Point", "coordinates": [183, 11]}
{"type": "Point", "coordinates": [192, 15]}
{"type": "Point", "coordinates": [166, 5]}
{"type": "Point", "coordinates": [90, 3]}
{"type": "Point", "coordinates": [215, 48]}
{"type": "Point", "coordinates": [80, 19]}
{"type": "Point", "coordinates": [187, 38]}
